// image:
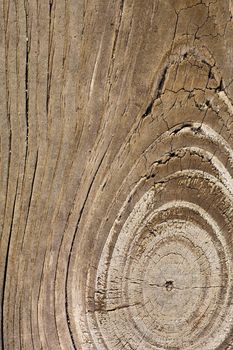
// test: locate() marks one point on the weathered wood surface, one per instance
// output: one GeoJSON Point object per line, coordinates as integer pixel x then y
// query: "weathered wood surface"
{"type": "Point", "coordinates": [116, 174]}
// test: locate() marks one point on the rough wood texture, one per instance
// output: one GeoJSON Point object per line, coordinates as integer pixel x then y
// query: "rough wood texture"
{"type": "Point", "coordinates": [116, 174]}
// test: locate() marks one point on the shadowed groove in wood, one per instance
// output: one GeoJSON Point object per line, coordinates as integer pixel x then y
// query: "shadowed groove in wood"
{"type": "Point", "coordinates": [116, 174]}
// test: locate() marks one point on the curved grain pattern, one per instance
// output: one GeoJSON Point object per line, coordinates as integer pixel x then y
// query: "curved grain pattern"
{"type": "Point", "coordinates": [116, 175]}
{"type": "Point", "coordinates": [162, 279]}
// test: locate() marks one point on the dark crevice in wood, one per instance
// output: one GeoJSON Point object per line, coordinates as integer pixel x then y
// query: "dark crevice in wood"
{"type": "Point", "coordinates": [49, 56]}
{"type": "Point", "coordinates": [161, 83]}
{"type": "Point", "coordinates": [158, 93]}
{"type": "Point", "coordinates": [30, 198]}
{"type": "Point", "coordinates": [149, 109]}
{"type": "Point", "coordinates": [6, 267]}
{"type": "Point", "coordinates": [220, 87]}
{"type": "Point", "coordinates": [26, 77]}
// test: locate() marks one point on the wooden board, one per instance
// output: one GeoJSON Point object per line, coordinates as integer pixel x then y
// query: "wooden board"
{"type": "Point", "coordinates": [116, 174]}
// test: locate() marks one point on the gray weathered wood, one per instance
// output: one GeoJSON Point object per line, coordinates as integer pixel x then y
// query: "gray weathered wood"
{"type": "Point", "coordinates": [116, 174]}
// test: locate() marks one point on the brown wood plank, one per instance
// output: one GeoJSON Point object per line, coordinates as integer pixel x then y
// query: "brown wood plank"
{"type": "Point", "coordinates": [116, 169]}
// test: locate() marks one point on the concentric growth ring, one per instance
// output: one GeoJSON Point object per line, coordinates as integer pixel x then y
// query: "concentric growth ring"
{"type": "Point", "coordinates": [163, 278]}
{"type": "Point", "coordinates": [168, 284]}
